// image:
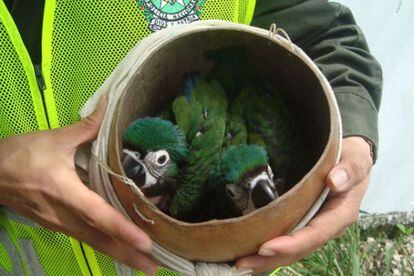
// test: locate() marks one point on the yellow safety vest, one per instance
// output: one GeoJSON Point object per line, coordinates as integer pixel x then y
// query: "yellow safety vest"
{"type": "Point", "coordinates": [82, 42]}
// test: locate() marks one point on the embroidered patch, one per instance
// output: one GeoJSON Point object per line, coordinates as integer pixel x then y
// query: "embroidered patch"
{"type": "Point", "coordinates": [163, 13]}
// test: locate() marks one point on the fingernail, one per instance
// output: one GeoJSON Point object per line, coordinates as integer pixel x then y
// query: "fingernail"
{"type": "Point", "coordinates": [151, 271]}
{"type": "Point", "coordinates": [143, 245]}
{"type": "Point", "coordinates": [250, 263]}
{"type": "Point", "coordinates": [339, 179]}
{"type": "Point", "coordinates": [266, 252]}
{"type": "Point", "coordinates": [149, 268]}
{"type": "Point", "coordinates": [246, 265]}
{"type": "Point", "coordinates": [245, 271]}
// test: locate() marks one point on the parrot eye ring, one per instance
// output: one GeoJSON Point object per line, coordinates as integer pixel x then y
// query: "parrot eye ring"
{"type": "Point", "coordinates": [162, 158]}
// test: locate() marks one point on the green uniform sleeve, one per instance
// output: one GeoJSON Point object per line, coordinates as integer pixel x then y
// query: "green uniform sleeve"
{"type": "Point", "coordinates": [327, 32]}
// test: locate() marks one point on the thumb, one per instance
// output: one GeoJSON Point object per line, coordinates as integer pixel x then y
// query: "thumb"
{"type": "Point", "coordinates": [354, 166]}
{"type": "Point", "coordinates": [88, 128]}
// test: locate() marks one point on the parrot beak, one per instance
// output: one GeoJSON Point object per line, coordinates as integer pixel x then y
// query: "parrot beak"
{"type": "Point", "coordinates": [137, 170]}
{"type": "Point", "coordinates": [134, 169]}
{"type": "Point", "coordinates": [263, 193]}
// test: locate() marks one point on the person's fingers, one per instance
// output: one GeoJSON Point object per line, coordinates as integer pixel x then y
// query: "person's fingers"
{"type": "Point", "coordinates": [121, 251]}
{"type": "Point", "coordinates": [128, 256]}
{"type": "Point", "coordinates": [97, 213]}
{"type": "Point", "coordinates": [62, 221]}
{"type": "Point", "coordinates": [51, 205]}
{"type": "Point", "coordinates": [355, 164]}
{"type": "Point", "coordinates": [85, 130]}
{"type": "Point", "coordinates": [330, 222]}
{"type": "Point", "coordinates": [287, 249]}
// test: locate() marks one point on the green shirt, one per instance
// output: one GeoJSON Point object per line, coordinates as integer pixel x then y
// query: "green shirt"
{"type": "Point", "coordinates": [328, 33]}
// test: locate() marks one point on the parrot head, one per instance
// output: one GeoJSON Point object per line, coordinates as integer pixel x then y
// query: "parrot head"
{"type": "Point", "coordinates": [248, 178]}
{"type": "Point", "coordinates": [154, 150]}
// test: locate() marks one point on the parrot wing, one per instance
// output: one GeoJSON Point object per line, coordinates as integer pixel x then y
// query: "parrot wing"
{"type": "Point", "coordinates": [186, 109]}
{"type": "Point", "coordinates": [236, 131]}
{"type": "Point", "coordinates": [270, 124]}
{"type": "Point", "coordinates": [205, 144]}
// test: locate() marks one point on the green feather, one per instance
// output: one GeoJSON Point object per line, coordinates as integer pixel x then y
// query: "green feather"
{"type": "Point", "coordinates": [188, 111]}
{"type": "Point", "coordinates": [206, 141]}
{"type": "Point", "coordinates": [238, 160]}
{"type": "Point", "coordinates": [236, 131]}
{"type": "Point", "coordinates": [270, 124]}
{"type": "Point", "coordinates": [188, 115]}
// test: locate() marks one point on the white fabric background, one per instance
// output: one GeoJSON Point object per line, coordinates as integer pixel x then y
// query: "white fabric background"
{"type": "Point", "coordinates": [389, 29]}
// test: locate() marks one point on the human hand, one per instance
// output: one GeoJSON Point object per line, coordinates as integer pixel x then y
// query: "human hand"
{"type": "Point", "coordinates": [348, 181]}
{"type": "Point", "coordinates": [38, 180]}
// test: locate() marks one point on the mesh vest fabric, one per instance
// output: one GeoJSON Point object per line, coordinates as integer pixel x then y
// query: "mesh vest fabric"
{"type": "Point", "coordinates": [49, 258]}
{"type": "Point", "coordinates": [90, 40]}
{"type": "Point", "coordinates": [21, 108]}
{"type": "Point", "coordinates": [82, 42]}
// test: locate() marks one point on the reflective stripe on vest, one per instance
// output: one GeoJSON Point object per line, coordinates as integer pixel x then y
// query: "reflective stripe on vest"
{"type": "Point", "coordinates": [28, 247]}
{"type": "Point", "coordinates": [24, 246]}
{"type": "Point", "coordinates": [17, 265]}
{"type": "Point", "coordinates": [82, 42]}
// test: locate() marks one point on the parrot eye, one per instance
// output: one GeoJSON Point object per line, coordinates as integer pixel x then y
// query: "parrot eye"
{"type": "Point", "coordinates": [162, 158]}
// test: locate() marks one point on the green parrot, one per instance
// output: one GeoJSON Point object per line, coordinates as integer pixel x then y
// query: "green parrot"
{"type": "Point", "coordinates": [200, 112]}
{"type": "Point", "coordinates": [225, 123]}
{"type": "Point", "coordinates": [241, 182]}
{"type": "Point", "coordinates": [154, 151]}
{"type": "Point", "coordinates": [257, 113]}
{"type": "Point", "coordinates": [236, 128]}
{"type": "Point", "coordinates": [270, 124]}
{"type": "Point", "coordinates": [230, 68]}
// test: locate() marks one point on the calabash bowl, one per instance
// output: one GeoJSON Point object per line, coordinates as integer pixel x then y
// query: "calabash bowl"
{"type": "Point", "coordinates": [305, 91]}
